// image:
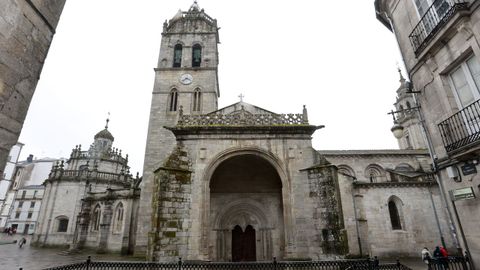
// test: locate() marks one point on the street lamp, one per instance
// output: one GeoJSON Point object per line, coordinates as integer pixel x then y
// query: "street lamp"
{"type": "Point", "coordinates": [397, 130]}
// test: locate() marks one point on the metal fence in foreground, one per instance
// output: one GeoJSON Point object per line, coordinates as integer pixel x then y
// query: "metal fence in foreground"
{"type": "Point", "coordinates": [451, 263]}
{"type": "Point", "coordinates": [361, 264]}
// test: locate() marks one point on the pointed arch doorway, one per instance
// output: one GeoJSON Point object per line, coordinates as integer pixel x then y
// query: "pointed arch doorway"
{"type": "Point", "coordinates": [246, 210]}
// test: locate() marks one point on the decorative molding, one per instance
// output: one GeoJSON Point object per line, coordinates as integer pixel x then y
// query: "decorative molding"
{"type": "Point", "coordinates": [241, 118]}
{"type": "Point", "coordinates": [359, 184]}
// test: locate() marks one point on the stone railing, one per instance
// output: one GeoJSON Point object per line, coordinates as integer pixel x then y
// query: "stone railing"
{"type": "Point", "coordinates": [242, 118]}
{"type": "Point", "coordinates": [113, 154]}
{"type": "Point", "coordinates": [59, 173]}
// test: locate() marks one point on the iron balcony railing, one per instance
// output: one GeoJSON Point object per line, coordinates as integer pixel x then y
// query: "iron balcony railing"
{"type": "Point", "coordinates": [437, 15]}
{"type": "Point", "coordinates": [462, 128]}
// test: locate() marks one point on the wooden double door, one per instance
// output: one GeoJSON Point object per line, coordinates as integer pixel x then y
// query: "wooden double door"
{"type": "Point", "coordinates": [243, 244]}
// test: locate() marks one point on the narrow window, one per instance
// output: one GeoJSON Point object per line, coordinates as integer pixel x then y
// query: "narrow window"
{"type": "Point", "coordinates": [32, 204]}
{"type": "Point", "coordinates": [177, 56]}
{"type": "Point", "coordinates": [17, 215]}
{"type": "Point", "coordinates": [30, 214]}
{"type": "Point", "coordinates": [197, 100]}
{"type": "Point", "coordinates": [408, 142]}
{"type": "Point", "coordinates": [96, 218]}
{"type": "Point", "coordinates": [394, 216]}
{"type": "Point", "coordinates": [173, 100]}
{"type": "Point", "coordinates": [119, 218]}
{"type": "Point", "coordinates": [372, 177]}
{"type": "Point", "coordinates": [196, 55]}
{"type": "Point", "coordinates": [20, 204]}
{"type": "Point", "coordinates": [62, 224]}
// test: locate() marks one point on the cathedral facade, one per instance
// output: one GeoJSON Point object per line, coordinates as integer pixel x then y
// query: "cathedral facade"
{"type": "Point", "coordinates": [239, 183]}
{"type": "Point", "coordinates": [244, 183]}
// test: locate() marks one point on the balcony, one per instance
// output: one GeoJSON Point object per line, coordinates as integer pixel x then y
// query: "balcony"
{"type": "Point", "coordinates": [436, 16]}
{"type": "Point", "coordinates": [462, 128]}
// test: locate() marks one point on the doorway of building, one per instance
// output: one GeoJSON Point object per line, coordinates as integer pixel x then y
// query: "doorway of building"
{"type": "Point", "coordinates": [246, 210]}
{"type": "Point", "coordinates": [25, 229]}
{"type": "Point", "coordinates": [243, 244]}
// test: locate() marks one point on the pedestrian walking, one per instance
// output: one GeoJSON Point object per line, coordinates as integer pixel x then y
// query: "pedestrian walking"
{"type": "Point", "coordinates": [426, 256]}
{"type": "Point", "coordinates": [444, 257]}
{"type": "Point", "coordinates": [22, 242]}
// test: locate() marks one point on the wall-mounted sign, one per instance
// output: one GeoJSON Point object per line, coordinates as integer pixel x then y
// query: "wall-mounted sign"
{"type": "Point", "coordinates": [469, 169]}
{"type": "Point", "coordinates": [462, 194]}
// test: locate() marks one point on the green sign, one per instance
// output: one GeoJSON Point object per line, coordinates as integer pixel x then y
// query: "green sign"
{"type": "Point", "coordinates": [462, 194]}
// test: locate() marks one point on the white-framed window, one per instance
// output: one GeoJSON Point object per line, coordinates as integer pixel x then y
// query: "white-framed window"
{"type": "Point", "coordinates": [432, 17]}
{"type": "Point", "coordinates": [440, 7]}
{"type": "Point", "coordinates": [465, 81]}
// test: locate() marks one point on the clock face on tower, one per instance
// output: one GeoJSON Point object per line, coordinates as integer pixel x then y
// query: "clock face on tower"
{"type": "Point", "coordinates": [186, 79]}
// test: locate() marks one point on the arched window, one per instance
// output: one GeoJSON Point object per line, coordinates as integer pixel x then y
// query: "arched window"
{"type": "Point", "coordinates": [196, 55]}
{"type": "Point", "coordinates": [346, 170]}
{"type": "Point", "coordinates": [408, 106]}
{"type": "Point", "coordinates": [118, 219]}
{"type": "Point", "coordinates": [401, 112]}
{"type": "Point", "coordinates": [97, 212]}
{"type": "Point", "coordinates": [393, 210]}
{"type": "Point", "coordinates": [374, 173]}
{"type": "Point", "coordinates": [172, 106]}
{"type": "Point", "coordinates": [197, 100]}
{"type": "Point", "coordinates": [62, 223]}
{"type": "Point", "coordinates": [177, 55]}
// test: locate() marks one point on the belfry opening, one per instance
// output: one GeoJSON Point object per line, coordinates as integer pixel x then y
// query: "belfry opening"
{"type": "Point", "coordinates": [246, 210]}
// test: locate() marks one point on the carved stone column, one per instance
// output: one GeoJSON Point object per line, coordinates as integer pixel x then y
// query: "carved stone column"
{"type": "Point", "coordinates": [105, 226]}
{"type": "Point", "coordinates": [81, 227]}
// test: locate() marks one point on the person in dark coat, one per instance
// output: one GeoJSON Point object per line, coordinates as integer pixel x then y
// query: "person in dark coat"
{"type": "Point", "coordinates": [22, 242]}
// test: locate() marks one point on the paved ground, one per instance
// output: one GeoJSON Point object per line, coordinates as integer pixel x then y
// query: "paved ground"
{"type": "Point", "coordinates": [12, 257]}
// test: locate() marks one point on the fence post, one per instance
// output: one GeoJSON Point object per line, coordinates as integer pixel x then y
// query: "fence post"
{"type": "Point", "coordinates": [179, 263]}
{"type": "Point", "coordinates": [398, 264]}
{"type": "Point", "coordinates": [274, 263]}
{"type": "Point", "coordinates": [376, 262]}
{"type": "Point", "coordinates": [466, 261]}
{"type": "Point", "coordinates": [89, 260]}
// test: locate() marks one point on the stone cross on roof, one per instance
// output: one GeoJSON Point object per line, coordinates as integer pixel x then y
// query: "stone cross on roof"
{"type": "Point", "coordinates": [241, 96]}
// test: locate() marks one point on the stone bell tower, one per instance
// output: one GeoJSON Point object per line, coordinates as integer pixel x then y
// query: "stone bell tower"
{"type": "Point", "coordinates": [408, 118]}
{"type": "Point", "coordinates": [186, 81]}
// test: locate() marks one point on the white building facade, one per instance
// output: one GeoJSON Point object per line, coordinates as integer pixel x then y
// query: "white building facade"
{"type": "Point", "coordinates": [6, 198]}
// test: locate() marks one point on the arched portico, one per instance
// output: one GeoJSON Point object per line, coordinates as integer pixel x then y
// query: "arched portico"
{"type": "Point", "coordinates": [243, 188]}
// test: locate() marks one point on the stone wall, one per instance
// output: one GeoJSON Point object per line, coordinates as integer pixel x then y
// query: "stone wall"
{"type": "Point", "coordinates": [376, 235]}
{"type": "Point", "coordinates": [171, 221]}
{"type": "Point", "coordinates": [26, 31]}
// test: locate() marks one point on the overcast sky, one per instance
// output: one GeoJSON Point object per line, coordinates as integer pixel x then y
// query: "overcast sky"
{"type": "Point", "coordinates": [332, 56]}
